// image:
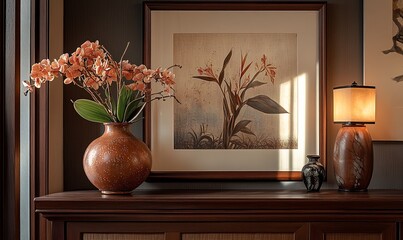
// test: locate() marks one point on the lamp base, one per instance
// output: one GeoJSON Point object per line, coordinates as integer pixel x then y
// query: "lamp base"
{"type": "Point", "coordinates": [353, 158]}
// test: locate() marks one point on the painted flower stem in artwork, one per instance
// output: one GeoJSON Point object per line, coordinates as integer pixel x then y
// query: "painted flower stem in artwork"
{"type": "Point", "coordinates": [234, 97]}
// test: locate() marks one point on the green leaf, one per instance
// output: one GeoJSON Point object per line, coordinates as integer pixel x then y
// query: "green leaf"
{"type": "Point", "coordinates": [226, 61]}
{"type": "Point", "coordinates": [205, 78]}
{"type": "Point", "coordinates": [113, 102]}
{"type": "Point", "coordinates": [136, 95]}
{"type": "Point", "coordinates": [124, 97]}
{"type": "Point", "coordinates": [91, 111]}
{"type": "Point", "coordinates": [265, 104]}
{"type": "Point", "coordinates": [131, 108]}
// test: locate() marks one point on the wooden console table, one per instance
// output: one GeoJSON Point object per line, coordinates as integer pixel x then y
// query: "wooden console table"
{"type": "Point", "coordinates": [224, 215]}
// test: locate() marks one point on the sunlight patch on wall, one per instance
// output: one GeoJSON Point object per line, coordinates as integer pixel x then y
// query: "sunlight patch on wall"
{"type": "Point", "coordinates": [285, 102]}
{"type": "Point", "coordinates": [302, 101]}
{"type": "Point", "coordinates": [297, 87]}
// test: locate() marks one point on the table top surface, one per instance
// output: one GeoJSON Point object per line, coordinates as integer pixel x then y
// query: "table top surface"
{"type": "Point", "coordinates": [222, 199]}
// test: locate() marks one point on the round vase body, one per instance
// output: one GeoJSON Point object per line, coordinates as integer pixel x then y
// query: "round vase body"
{"type": "Point", "coordinates": [117, 162]}
{"type": "Point", "coordinates": [353, 158]}
{"type": "Point", "coordinates": [313, 174]}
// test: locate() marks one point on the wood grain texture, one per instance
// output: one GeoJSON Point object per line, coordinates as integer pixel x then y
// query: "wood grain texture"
{"type": "Point", "coordinates": [176, 230]}
{"type": "Point", "coordinates": [247, 201]}
{"type": "Point", "coordinates": [133, 236]}
{"type": "Point", "coordinates": [353, 236]}
{"type": "Point", "coordinates": [238, 215]}
{"type": "Point", "coordinates": [354, 231]}
{"type": "Point", "coordinates": [237, 6]}
{"type": "Point", "coordinates": [238, 236]}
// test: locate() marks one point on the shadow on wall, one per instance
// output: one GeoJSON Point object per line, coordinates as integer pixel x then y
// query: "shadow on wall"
{"type": "Point", "coordinates": [388, 165]}
{"type": "Point", "coordinates": [388, 162]}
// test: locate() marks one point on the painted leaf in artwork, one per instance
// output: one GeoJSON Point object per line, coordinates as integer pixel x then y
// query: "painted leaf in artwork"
{"type": "Point", "coordinates": [265, 104]}
{"type": "Point", "coordinates": [226, 61]}
{"type": "Point", "coordinates": [246, 69]}
{"type": "Point", "coordinates": [205, 78]}
{"type": "Point", "coordinates": [241, 127]}
{"type": "Point", "coordinates": [232, 97]}
{"type": "Point", "coordinates": [398, 78]}
{"type": "Point", "coordinates": [247, 131]}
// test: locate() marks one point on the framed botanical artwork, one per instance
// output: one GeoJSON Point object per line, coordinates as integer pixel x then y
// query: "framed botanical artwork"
{"type": "Point", "coordinates": [383, 65]}
{"type": "Point", "coordinates": [251, 89]}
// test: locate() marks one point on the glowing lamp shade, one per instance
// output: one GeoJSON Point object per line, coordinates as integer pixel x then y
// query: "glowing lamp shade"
{"type": "Point", "coordinates": [354, 104]}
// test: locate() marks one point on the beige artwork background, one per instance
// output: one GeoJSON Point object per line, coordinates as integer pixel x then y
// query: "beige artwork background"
{"type": "Point", "coordinates": [165, 24]}
{"type": "Point", "coordinates": [380, 68]}
{"type": "Point", "coordinates": [201, 101]}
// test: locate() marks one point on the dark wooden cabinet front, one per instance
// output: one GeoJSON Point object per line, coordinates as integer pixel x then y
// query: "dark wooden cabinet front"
{"type": "Point", "coordinates": [224, 215]}
{"type": "Point", "coordinates": [354, 231]}
{"type": "Point", "coordinates": [189, 231]}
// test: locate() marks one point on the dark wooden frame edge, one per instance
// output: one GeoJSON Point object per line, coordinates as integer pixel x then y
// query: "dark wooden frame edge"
{"type": "Point", "coordinates": [39, 117]}
{"type": "Point", "coordinates": [240, 6]}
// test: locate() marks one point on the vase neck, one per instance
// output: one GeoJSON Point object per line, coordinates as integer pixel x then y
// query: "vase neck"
{"type": "Point", "coordinates": [313, 158]}
{"type": "Point", "coordinates": [114, 127]}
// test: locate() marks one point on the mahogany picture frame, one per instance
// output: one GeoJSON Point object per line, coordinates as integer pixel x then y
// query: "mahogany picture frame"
{"type": "Point", "coordinates": [239, 175]}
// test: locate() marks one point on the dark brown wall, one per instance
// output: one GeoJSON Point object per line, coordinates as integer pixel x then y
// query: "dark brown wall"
{"type": "Point", "coordinates": [2, 109]}
{"type": "Point", "coordinates": [10, 110]}
{"type": "Point", "coordinates": [113, 23]}
{"type": "Point", "coordinates": [116, 22]}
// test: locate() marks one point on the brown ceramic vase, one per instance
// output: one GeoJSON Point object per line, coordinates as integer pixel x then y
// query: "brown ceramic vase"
{"type": "Point", "coordinates": [117, 162]}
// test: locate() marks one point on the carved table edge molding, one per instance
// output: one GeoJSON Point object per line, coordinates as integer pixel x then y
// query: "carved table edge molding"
{"type": "Point", "coordinates": [220, 200]}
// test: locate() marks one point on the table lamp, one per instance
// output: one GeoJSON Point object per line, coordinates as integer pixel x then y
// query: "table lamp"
{"type": "Point", "coordinates": [353, 106]}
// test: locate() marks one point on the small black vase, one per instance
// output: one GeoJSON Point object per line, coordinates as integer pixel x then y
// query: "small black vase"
{"type": "Point", "coordinates": [313, 174]}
